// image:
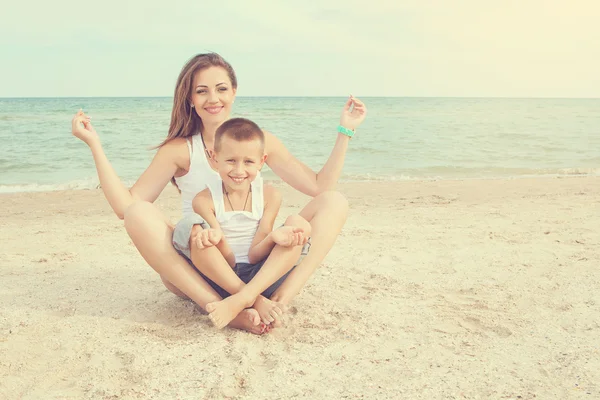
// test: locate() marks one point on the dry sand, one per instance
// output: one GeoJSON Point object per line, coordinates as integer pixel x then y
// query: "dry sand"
{"type": "Point", "coordinates": [481, 289]}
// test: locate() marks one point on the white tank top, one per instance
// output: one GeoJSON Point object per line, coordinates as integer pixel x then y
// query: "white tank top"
{"type": "Point", "coordinates": [239, 227]}
{"type": "Point", "coordinates": [198, 177]}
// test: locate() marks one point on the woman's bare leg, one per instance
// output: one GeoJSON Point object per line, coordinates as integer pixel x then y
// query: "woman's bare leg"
{"type": "Point", "coordinates": [327, 214]}
{"type": "Point", "coordinates": [173, 289]}
{"type": "Point", "coordinates": [152, 235]}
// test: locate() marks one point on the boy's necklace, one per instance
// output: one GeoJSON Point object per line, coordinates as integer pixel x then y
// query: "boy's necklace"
{"type": "Point", "coordinates": [229, 200]}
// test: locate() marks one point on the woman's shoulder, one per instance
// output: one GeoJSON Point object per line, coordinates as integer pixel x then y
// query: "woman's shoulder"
{"type": "Point", "coordinates": [175, 143]}
{"type": "Point", "coordinates": [176, 149]}
{"type": "Point", "coordinates": [272, 143]}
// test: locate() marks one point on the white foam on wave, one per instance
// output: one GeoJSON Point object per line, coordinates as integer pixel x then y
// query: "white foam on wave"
{"type": "Point", "coordinates": [515, 174]}
{"type": "Point", "coordinates": [579, 171]}
{"type": "Point", "coordinates": [92, 183]}
{"type": "Point", "coordinates": [83, 184]}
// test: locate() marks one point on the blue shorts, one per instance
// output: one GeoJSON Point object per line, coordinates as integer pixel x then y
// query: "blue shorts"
{"type": "Point", "coordinates": [245, 271]}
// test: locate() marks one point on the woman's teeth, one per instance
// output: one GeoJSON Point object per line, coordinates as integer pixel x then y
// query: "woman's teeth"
{"type": "Point", "coordinates": [213, 110]}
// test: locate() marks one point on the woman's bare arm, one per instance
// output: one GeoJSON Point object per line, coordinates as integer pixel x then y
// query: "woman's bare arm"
{"type": "Point", "coordinates": [301, 177]}
{"type": "Point", "coordinates": [162, 168]}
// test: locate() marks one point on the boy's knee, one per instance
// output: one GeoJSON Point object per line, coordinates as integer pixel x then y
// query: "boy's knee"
{"type": "Point", "coordinates": [196, 229]}
{"type": "Point", "coordinates": [300, 222]}
{"type": "Point", "coordinates": [186, 232]}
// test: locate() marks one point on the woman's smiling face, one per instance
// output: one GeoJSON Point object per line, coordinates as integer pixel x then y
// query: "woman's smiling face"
{"type": "Point", "coordinates": [212, 95]}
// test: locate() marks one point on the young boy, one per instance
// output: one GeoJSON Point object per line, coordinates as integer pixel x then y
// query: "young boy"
{"type": "Point", "coordinates": [240, 211]}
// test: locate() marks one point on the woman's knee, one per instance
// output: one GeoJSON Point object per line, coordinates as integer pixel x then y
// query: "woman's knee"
{"type": "Point", "coordinates": [335, 201]}
{"type": "Point", "coordinates": [145, 224]}
{"type": "Point", "coordinates": [137, 213]}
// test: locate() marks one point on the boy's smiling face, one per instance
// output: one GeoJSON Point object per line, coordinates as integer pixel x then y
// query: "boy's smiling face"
{"type": "Point", "coordinates": [238, 162]}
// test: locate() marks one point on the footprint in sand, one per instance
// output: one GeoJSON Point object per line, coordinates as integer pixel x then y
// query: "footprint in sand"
{"type": "Point", "coordinates": [475, 325]}
{"type": "Point", "coordinates": [458, 305]}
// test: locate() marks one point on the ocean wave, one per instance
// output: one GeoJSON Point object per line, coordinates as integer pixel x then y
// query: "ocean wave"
{"type": "Point", "coordinates": [81, 184]}
{"type": "Point", "coordinates": [85, 184]}
{"type": "Point", "coordinates": [415, 175]}
{"type": "Point", "coordinates": [461, 173]}
{"type": "Point", "coordinates": [579, 171]}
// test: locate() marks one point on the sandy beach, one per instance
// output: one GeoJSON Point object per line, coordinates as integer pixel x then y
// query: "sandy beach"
{"type": "Point", "coordinates": [476, 289]}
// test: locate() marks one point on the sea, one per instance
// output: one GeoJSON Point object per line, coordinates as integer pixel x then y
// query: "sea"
{"type": "Point", "coordinates": [403, 138]}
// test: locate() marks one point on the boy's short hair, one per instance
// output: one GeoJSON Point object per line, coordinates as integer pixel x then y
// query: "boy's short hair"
{"type": "Point", "coordinates": [239, 129]}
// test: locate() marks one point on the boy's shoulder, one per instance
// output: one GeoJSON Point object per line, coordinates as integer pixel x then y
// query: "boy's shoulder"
{"type": "Point", "coordinates": [205, 194]}
{"type": "Point", "coordinates": [203, 197]}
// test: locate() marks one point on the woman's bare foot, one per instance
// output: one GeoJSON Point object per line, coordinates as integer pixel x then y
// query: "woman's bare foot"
{"type": "Point", "coordinates": [270, 312]}
{"type": "Point", "coordinates": [249, 320]}
{"type": "Point", "coordinates": [223, 312]}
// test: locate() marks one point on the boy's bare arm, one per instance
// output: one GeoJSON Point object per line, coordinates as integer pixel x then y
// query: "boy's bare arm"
{"type": "Point", "coordinates": [203, 205]}
{"type": "Point", "coordinates": [262, 244]}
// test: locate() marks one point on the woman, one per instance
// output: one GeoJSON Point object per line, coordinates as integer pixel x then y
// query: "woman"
{"type": "Point", "coordinates": [204, 94]}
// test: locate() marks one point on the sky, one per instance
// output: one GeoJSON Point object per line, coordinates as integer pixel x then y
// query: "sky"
{"type": "Point", "coordinates": [462, 48]}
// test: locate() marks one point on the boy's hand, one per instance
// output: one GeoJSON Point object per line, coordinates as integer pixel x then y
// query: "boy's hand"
{"type": "Point", "coordinates": [208, 238]}
{"type": "Point", "coordinates": [288, 236]}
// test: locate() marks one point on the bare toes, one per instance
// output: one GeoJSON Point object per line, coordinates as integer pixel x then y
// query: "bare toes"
{"type": "Point", "coordinates": [257, 330]}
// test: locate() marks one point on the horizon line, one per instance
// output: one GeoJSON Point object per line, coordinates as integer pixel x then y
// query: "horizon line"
{"type": "Point", "coordinates": [296, 96]}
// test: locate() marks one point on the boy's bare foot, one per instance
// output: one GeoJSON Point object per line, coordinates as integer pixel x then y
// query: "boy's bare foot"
{"type": "Point", "coordinates": [223, 312]}
{"type": "Point", "coordinates": [270, 312]}
{"type": "Point", "coordinates": [249, 320]}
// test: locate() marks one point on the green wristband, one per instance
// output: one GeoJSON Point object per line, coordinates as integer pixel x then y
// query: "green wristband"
{"type": "Point", "coordinates": [345, 131]}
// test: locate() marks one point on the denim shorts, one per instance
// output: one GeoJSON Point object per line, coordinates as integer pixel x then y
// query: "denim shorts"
{"type": "Point", "coordinates": [245, 271]}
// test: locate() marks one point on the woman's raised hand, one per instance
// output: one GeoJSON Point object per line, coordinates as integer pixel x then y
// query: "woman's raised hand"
{"type": "Point", "coordinates": [81, 128]}
{"type": "Point", "coordinates": [354, 113]}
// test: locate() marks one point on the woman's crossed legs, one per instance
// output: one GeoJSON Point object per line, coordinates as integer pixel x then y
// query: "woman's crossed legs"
{"type": "Point", "coordinates": [152, 235]}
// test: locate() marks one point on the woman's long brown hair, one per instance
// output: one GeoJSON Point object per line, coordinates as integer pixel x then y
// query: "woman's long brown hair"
{"type": "Point", "coordinates": [185, 122]}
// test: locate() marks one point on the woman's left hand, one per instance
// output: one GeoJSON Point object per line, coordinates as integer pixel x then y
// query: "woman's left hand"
{"type": "Point", "coordinates": [354, 113]}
